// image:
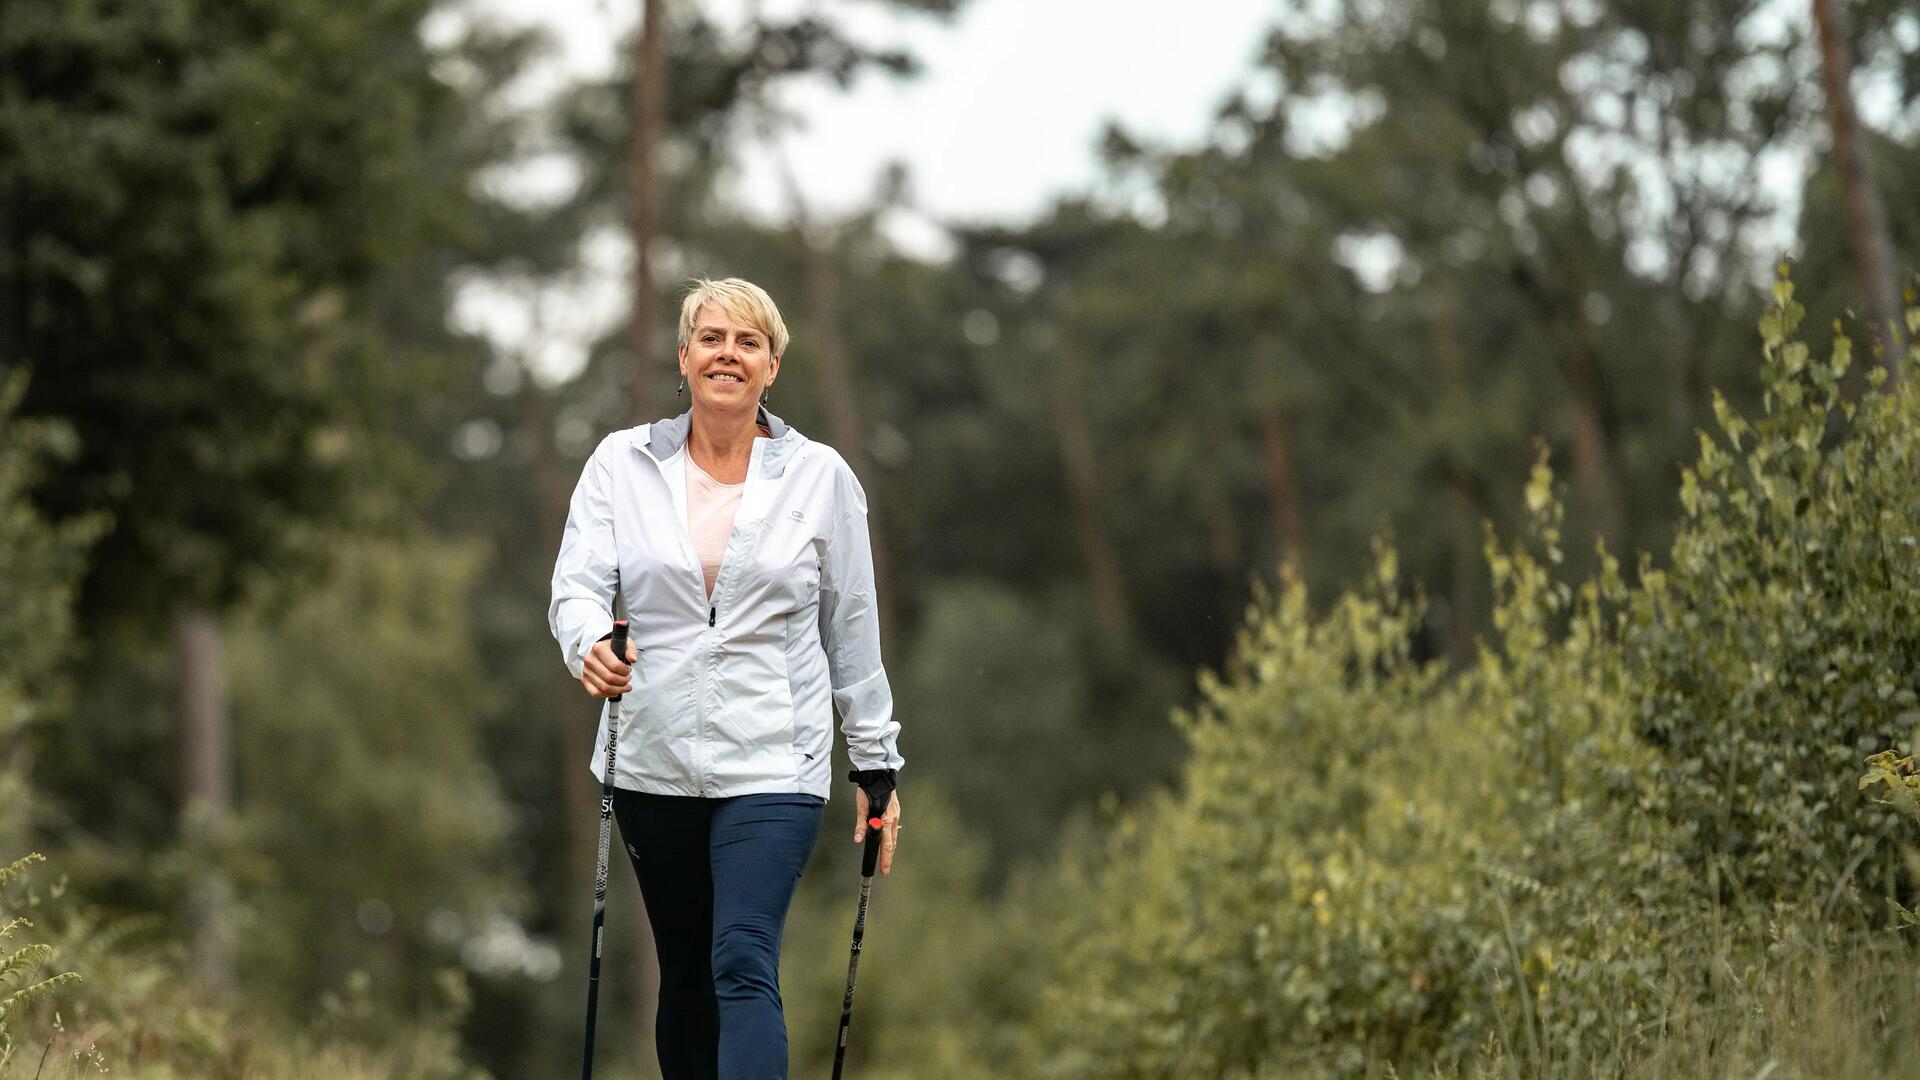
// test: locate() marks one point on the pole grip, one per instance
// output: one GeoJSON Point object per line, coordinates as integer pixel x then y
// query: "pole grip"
{"type": "Point", "coordinates": [876, 812]}
{"type": "Point", "coordinates": [619, 646]}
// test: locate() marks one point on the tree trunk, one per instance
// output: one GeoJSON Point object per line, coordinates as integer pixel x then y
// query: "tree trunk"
{"type": "Point", "coordinates": [1596, 464]}
{"type": "Point", "coordinates": [206, 792]}
{"type": "Point", "coordinates": [1599, 470]}
{"type": "Point", "coordinates": [16, 798]}
{"type": "Point", "coordinates": [1283, 489]}
{"type": "Point", "coordinates": [1866, 220]}
{"type": "Point", "coordinates": [1463, 601]}
{"type": "Point", "coordinates": [1223, 550]}
{"type": "Point", "coordinates": [1463, 596]}
{"type": "Point", "coordinates": [649, 105]}
{"type": "Point", "coordinates": [1108, 586]}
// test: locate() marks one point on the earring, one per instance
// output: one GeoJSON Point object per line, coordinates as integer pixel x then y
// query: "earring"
{"type": "Point", "coordinates": [682, 392]}
{"type": "Point", "coordinates": [764, 391]}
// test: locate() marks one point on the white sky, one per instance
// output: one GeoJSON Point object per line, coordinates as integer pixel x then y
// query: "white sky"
{"type": "Point", "coordinates": [1003, 118]}
{"type": "Point", "coordinates": [1004, 115]}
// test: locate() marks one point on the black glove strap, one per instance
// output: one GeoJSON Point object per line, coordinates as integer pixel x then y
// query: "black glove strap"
{"type": "Point", "coordinates": [879, 784]}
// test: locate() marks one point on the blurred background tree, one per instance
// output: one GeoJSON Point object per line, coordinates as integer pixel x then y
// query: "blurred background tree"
{"type": "Point", "coordinates": [209, 207]}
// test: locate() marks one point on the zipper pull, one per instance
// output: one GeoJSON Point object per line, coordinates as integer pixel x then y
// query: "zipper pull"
{"type": "Point", "coordinates": [711, 613]}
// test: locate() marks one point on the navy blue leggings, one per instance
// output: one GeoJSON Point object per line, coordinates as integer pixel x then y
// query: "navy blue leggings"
{"type": "Point", "coordinates": [718, 876]}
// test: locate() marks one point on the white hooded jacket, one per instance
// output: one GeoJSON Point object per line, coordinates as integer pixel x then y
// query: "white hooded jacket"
{"type": "Point", "coordinates": [733, 695]}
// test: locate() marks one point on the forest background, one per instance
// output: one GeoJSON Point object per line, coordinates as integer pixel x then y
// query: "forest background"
{"type": "Point", "coordinates": [1424, 598]}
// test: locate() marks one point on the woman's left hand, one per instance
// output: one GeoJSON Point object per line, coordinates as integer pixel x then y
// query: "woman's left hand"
{"type": "Point", "coordinates": [889, 826]}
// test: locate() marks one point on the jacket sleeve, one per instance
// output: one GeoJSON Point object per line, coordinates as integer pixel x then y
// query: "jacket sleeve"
{"type": "Point", "coordinates": [850, 631]}
{"type": "Point", "coordinates": [586, 575]}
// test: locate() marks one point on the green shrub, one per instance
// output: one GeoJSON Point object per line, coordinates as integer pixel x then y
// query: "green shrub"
{"type": "Point", "coordinates": [1634, 805]}
{"type": "Point", "coordinates": [1778, 649]}
{"type": "Point", "coordinates": [1370, 862]}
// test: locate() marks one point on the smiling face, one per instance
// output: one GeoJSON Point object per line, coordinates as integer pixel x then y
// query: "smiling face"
{"type": "Point", "coordinates": [726, 363]}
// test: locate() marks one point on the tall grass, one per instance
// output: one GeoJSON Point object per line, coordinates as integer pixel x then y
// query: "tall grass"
{"type": "Point", "coordinates": [1811, 1011]}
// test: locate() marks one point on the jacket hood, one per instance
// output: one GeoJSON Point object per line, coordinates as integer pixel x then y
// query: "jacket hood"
{"type": "Point", "coordinates": [666, 437]}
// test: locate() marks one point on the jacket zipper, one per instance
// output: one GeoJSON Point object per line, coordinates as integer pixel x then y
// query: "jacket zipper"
{"type": "Point", "coordinates": [713, 616]}
{"type": "Point", "coordinates": [713, 612]}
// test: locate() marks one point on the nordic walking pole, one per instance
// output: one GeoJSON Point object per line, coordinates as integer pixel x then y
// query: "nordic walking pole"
{"type": "Point", "coordinates": [876, 810]}
{"type": "Point", "coordinates": [606, 845]}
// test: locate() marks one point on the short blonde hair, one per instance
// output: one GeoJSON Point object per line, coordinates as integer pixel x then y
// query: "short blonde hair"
{"type": "Point", "coordinates": [743, 301]}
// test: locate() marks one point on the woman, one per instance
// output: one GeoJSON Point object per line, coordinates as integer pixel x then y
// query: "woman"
{"type": "Point", "coordinates": [737, 549]}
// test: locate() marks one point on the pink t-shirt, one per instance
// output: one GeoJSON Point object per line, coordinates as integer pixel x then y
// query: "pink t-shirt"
{"type": "Point", "coordinates": [710, 509]}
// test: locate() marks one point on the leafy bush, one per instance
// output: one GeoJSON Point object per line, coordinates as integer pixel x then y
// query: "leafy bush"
{"type": "Point", "coordinates": [1635, 798]}
{"type": "Point", "coordinates": [1371, 862]}
{"type": "Point", "coordinates": [1779, 648]}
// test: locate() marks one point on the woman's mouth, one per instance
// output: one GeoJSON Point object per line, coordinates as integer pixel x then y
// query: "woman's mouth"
{"type": "Point", "coordinates": [722, 376]}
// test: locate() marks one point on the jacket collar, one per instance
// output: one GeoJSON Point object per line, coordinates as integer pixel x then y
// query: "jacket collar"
{"type": "Point", "coordinates": [665, 438]}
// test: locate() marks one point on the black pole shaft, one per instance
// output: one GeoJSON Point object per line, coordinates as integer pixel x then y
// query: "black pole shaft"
{"type": "Point", "coordinates": [606, 847]}
{"type": "Point", "coordinates": [869, 858]}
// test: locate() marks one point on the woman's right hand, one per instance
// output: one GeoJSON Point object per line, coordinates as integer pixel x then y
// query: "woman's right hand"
{"type": "Point", "coordinates": [604, 676]}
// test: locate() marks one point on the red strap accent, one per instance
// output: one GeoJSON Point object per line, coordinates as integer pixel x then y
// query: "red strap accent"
{"type": "Point", "coordinates": [874, 823]}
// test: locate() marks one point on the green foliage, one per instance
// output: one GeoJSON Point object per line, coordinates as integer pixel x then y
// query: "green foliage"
{"type": "Point", "coordinates": [363, 860]}
{"type": "Point", "coordinates": [43, 558]}
{"type": "Point", "coordinates": [996, 688]}
{"type": "Point", "coordinates": [1851, 1011]}
{"type": "Point", "coordinates": [1902, 782]}
{"type": "Point", "coordinates": [1368, 863]}
{"type": "Point", "coordinates": [201, 198]}
{"type": "Point", "coordinates": [21, 983]}
{"type": "Point", "coordinates": [380, 875]}
{"type": "Point", "coordinates": [1563, 850]}
{"type": "Point", "coordinates": [1776, 652]}
{"type": "Point", "coordinates": [949, 972]}
{"type": "Point", "coordinates": [1005, 696]}
{"type": "Point", "coordinates": [135, 1014]}
{"type": "Point", "coordinates": [44, 561]}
